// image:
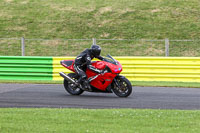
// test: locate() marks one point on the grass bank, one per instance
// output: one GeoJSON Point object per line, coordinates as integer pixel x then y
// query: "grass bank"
{"type": "Point", "coordinates": [98, 121]}
{"type": "Point", "coordinates": [112, 19]}
{"type": "Point", "coordinates": [101, 19]}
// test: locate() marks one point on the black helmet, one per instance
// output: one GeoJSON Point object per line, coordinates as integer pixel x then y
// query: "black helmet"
{"type": "Point", "coordinates": [95, 50]}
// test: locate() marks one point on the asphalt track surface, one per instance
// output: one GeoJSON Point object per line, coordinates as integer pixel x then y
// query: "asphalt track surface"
{"type": "Point", "coordinates": [55, 96]}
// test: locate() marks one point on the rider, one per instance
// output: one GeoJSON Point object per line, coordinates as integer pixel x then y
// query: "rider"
{"type": "Point", "coordinates": [83, 60]}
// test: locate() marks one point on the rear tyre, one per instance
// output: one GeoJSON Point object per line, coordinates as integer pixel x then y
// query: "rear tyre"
{"type": "Point", "coordinates": [72, 88]}
{"type": "Point", "coordinates": [122, 87]}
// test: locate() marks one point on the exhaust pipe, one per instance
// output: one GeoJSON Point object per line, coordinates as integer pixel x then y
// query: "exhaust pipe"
{"type": "Point", "coordinates": [62, 74]}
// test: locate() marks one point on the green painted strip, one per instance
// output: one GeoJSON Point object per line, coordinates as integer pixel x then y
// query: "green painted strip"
{"type": "Point", "coordinates": [26, 57]}
{"type": "Point", "coordinates": [49, 78]}
{"type": "Point", "coordinates": [27, 61]}
{"type": "Point", "coordinates": [26, 68]}
{"type": "Point", "coordinates": [26, 74]}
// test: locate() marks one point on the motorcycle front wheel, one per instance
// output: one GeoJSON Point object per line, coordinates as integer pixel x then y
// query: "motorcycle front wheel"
{"type": "Point", "coordinates": [122, 86]}
{"type": "Point", "coordinates": [71, 88]}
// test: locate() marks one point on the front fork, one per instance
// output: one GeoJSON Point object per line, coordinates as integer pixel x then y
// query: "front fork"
{"type": "Point", "coordinates": [116, 82]}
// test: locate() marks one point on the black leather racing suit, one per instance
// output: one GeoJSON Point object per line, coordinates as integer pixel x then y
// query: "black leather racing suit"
{"type": "Point", "coordinates": [83, 61]}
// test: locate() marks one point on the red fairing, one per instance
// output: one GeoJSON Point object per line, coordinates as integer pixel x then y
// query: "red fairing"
{"type": "Point", "coordinates": [102, 81]}
{"type": "Point", "coordinates": [99, 65]}
{"type": "Point", "coordinates": [69, 64]}
{"type": "Point", "coordinates": [115, 68]}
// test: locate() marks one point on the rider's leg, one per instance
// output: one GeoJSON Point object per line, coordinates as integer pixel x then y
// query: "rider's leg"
{"type": "Point", "coordinates": [82, 78]}
{"type": "Point", "coordinates": [80, 72]}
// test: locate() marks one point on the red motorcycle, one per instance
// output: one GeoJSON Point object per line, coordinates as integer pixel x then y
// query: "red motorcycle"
{"type": "Point", "coordinates": [107, 82]}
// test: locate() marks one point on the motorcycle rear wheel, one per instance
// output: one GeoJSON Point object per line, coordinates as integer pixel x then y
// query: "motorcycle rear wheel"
{"type": "Point", "coordinates": [71, 88]}
{"type": "Point", "coordinates": [124, 87]}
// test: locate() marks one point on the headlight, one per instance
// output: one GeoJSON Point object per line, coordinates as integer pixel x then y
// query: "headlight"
{"type": "Point", "coordinates": [117, 70]}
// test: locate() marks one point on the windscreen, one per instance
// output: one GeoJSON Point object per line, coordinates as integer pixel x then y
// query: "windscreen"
{"type": "Point", "coordinates": [110, 59]}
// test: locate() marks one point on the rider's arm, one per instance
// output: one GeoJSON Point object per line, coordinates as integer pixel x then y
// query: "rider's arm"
{"type": "Point", "coordinates": [100, 57]}
{"type": "Point", "coordinates": [89, 65]}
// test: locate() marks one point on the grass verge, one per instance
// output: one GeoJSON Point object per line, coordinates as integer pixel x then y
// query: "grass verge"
{"type": "Point", "coordinates": [134, 83]}
{"type": "Point", "coordinates": [101, 19]}
{"type": "Point", "coordinates": [166, 84]}
{"type": "Point", "coordinates": [98, 120]}
{"type": "Point", "coordinates": [111, 19]}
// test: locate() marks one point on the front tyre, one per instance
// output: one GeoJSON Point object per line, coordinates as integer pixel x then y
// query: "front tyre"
{"type": "Point", "coordinates": [71, 88]}
{"type": "Point", "coordinates": [122, 86]}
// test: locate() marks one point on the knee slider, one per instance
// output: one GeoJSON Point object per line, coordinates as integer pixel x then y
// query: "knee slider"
{"type": "Point", "coordinates": [83, 76]}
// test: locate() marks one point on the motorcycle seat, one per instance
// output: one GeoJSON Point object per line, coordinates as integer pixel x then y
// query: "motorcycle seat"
{"type": "Point", "coordinates": [67, 62]}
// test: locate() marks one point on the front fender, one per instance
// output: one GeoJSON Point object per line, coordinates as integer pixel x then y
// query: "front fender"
{"type": "Point", "coordinates": [116, 82]}
{"type": "Point", "coordinates": [120, 77]}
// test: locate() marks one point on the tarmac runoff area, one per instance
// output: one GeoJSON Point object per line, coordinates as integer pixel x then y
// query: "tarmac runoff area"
{"type": "Point", "coordinates": [55, 96]}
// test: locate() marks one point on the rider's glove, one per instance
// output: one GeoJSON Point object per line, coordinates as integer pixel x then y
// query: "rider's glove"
{"type": "Point", "coordinates": [103, 71]}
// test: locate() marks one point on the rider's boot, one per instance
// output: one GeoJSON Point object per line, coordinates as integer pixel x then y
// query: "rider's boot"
{"type": "Point", "coordinates": [86, 86]}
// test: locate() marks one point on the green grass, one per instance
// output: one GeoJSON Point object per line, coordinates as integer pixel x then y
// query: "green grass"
{"type": "Point", "coordinates": [134, 83]}
{"type": "Point", "coordinates": [98, 121]}
{"type": "Point", "coordinates": [166, 84]}
{"type": "Point", "coordinates": [112, 19]}
{"type": "Point", "coordinates": [101, 19]}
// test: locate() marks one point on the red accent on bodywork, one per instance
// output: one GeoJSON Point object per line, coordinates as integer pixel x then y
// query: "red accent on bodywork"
{"type": "Point", "coordinates": [103, 80]}
{"type": "Point", "coordinates": [71, 67]}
